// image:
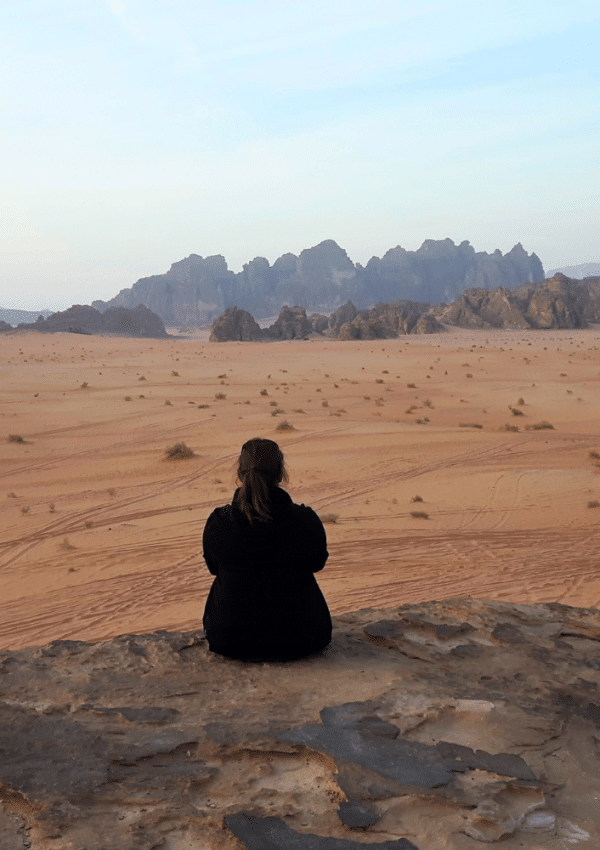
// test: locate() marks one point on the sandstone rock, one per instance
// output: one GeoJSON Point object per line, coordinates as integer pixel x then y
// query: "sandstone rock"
{"type": "Point", "coordinates": [423, 726]}
{"type": "Point", "coordinates": [235, 324]}
{"type": "Point", "coordinates": [197, 290]}
{"type": "Point", "coordinates": [139, 321]}
{"type": "Point", "coordinates": [292, 323]}
{"type": "Point", "coordinates": [319, 323]}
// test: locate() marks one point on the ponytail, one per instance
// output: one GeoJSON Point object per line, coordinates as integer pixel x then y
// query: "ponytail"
{"type": "Point", "coordinates": [260, 467]}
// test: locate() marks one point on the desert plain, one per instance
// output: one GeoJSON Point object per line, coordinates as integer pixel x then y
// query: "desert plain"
{"type": "Point", "coordinates": [101, 534]}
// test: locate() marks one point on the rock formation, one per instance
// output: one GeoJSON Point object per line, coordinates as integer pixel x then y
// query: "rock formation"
{"type": "Point", "coordinates": [555, 303]}
{"type": "Point", "coordinates": [13, 317]}
{"type": "Point", "coordinates": [577, 272]}
{"type": "Point", "coordinates": [430, 726]}
{"type": "Point", "coordinates": [292, 323]}
{"type": "Point", "coordinates": [236, 325]}
{"type": "Point", "coordinates": [196, 290]}
{"type": "Point", "coordinates": [139, 321]}
{"type": "Point", "coordinates": [4, 326]}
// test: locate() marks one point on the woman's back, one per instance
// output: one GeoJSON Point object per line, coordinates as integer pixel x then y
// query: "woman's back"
{"type": "Point", "coordinates": [265, 601]}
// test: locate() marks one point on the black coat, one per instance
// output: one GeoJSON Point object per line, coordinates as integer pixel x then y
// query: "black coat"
{"type": "Point", "coordinates": [265, 601]}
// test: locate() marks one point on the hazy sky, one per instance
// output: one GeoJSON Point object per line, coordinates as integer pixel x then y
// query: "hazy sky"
{"type": "Point", "coordinates": [136, 132]}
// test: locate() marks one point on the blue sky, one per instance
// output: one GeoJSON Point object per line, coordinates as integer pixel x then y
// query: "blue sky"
{"type": "Point", "coordinates": [136, 132]}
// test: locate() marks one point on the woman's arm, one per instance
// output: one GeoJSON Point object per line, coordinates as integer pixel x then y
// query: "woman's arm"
{"type": "Point", "coordinates": [213, 531]}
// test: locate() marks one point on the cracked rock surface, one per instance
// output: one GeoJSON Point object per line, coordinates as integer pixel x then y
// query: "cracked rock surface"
{"type": "Point", "coordinates": [440, 725]}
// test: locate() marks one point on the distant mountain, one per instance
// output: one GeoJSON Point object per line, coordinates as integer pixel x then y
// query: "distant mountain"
{"type": "Point", "coordinates": [82, 319]}
{"type": "Point", "coordinates": [196, 290]}
{"type": "Point", "coordinates": [577, 272]}
{"type": "Point", "coordinates": [559, 302]}
{"type": "Point", "coordinates": [13, 317]}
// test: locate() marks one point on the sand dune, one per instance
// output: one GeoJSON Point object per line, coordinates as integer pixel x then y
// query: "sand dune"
{"type": "Point", "coordinates": [100, 535]}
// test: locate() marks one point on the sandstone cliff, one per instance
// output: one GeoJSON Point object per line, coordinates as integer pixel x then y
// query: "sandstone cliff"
{"type": "Point", "coordinates": [196, 290]}
{"type": "Point", "coordinates": [139, 321]}
{"type": "Point", "coordinates": [555, 303]}
{"type": "Point", "coordinates": [438, 726]}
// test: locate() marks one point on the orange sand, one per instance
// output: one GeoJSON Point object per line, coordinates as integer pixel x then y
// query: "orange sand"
{"type": "Point", "coordinates": [100, 535]}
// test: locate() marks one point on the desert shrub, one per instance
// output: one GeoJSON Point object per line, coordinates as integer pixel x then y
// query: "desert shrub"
{"type": "Point", "coordinates": [111, 491]}
{"type": "Point", "coordinates": [470, 425]}
{"type": "Point", "coordinates": [52, 507]}
{"type": "Point", "coordinates": [329, 517]}
{"type": "Point", "coordinates": [167, 402]}
{"type": "Point", "coordinates": [427, 403]}
{"type": "Point", "coordinates": [141, 378]}
{"type": "Point", "coordinates": [273, 403]}
{"type": "Point", "coordinates": [11, 495]}
{"type": "Point", "coordinates": [15, 438]}
{"type": "Point", "coordinates": [367, 397]}
{"type": "Point", "coordinates": [419, 515]}
{"type": "Point", "coordinates": [411, 408]}
{"type": "Point", "coordinates": [417, 499]}
{"type": "Point", "coordinates": [66, 545]}
{"type": "Point", "coordinates": [179, 451]}
{"type": "Point", "coordinates": [521, 401]}
{"type": "Point", "coordinates": [220, 395]}
{"type": "Point", "coordinates": [324, 403]}
{"type": "Point", "coordinates": [468, 375]}
{"type": "Point", "coordinates": [298, 410]}
{"type": "Point", "coordinates": [515, 411]}
{"type": "Point", "coordinates": [25, 509]}
{"type": "Point", "coordinates": [264, 392]}
{"type": "Point", "coordinates": [88, 523]}
{"type": "Point", "coordinates": [423, 421]}
{"type": "Point", "coordinates": [127, 398]}
{"type": "Point", "coordinates": [202, 406]}
{"type": "Point", "coordinates": [511, 428]}
{"type": "Point", "coordinates": [379, 380]}
{"type": "Point", "coordinates": [84, 386]}
{"type": "Point", "coordinates": [595, 455]}
{"type": "Point", "coordinates": [284, 425]}
{"type": "Point", "coordinates": [277, 411]}
{"type": "Point", "coordinates": [174, 374]}
{"type": "Point", "coordinates": [540, 426]}
{"type": "Point", "coordinates": [412, 386]}
{"type": "Point", "coordinates": [594, 504]}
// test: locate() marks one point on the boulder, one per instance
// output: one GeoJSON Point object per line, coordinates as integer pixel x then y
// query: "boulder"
{"type": "Point", "coordinates": [235, 324]}
{"type": "Point", "coordinates": [292, 323]}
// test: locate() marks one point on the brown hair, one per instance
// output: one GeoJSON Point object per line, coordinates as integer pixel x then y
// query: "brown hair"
{"type": "Point", "coordinates": [260, 465]}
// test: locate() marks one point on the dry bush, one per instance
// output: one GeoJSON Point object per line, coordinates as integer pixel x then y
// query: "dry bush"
{"type": "Point", "coordinates": [15, 438]}
{"type": "Point", "coordinates": [329, 517]}
{"type": "Point", "coordinates": [84, 386]}
{"type": "Point", "coordinates": [468, 375]}
{"type": "Point", "coordinates": [277, 411]}
{"type": "Point", "coordinates": [417, 499]}
{"type": "Point", "coordinates": [284, 425]}
{"type": "Point", "coordinates": [427, 403]}
{"type": "Point", "coordinates": [273, 403]}
{"type": "Point", "coordinates": [324, 403]}
{"type": "Point", "coordinates": [540, 426]}
{"type": "Point", "coordinates": [423, 421]}
{"type": "Point", "coordinates": [595, 455]}
{"type": "Point", "coordinates": [127, 398]}
{"type": "Point", "coordinates": [521, 401]}
{"type": "Point", "coordinates": [594, 504]}
{"type": "Point", "coordinates": [179, 451]}
{"type": "Point", "coordinates": [52, 507]}
{"type": "Point", "coordinates": [174, 373]}
{"type": "Point", "coordinates": [141, 378]}
{"type": "Point", "coordinates": [11, 495]}
{"type": "Point", "coordinates": [88, 523]}
{"type": "Point", "coordinates": [510, 428]}
{"type": "Point", "coordinates": [367, 397]}
{"type": "Point", "coordinates": [411, 408]}
{"type": "Point", "coordinates": [298, 410]}
{"type": "Point", "coordinates": [419, 515]}
{"type": "Point", "coordinates": [264, 392]}
{"type": "Point", "coordinates": [515, 411]}
{"type": "Point", "coordinates": [202, 406]}
{"type": "Point", "coordinates": [25, 509]}
{"type": "Point", "coordinates": [111, 491]}
{"type": "Point", "coordinates": [167, 402]}
{"type": "Point", "coordinates": [66, 545]}
{"type": "Point", "coordinates": [469, 425]}
{"type": "Point", "coordinates": [412, 386]}
{"type": "Point", "coordinates": [220, 395]}
{"type": "Point", "coordinates": [379, 380]}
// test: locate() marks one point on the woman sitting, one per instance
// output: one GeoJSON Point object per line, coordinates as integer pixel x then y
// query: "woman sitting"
{"type": "Point", "coordinates": [265, 603]}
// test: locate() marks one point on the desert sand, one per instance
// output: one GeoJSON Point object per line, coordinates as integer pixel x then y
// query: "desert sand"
{"type": "Point", "coordinates": [101, 535]}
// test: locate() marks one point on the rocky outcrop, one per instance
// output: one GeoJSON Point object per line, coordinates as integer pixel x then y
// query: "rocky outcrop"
{"type": "Point", "coordinates": [422, 726]}
{"type": "Point", "coordinates": [555, 303]}
{"type": "Point", "coordinates": [292, 323]}
{"type": "Point", "coordinates": [577, 272]}
{"type": "Point", "coordinates": [196, 290]}
{"type": "Point", "coordinates": [4, 326]}
{"type": "Point", "coordinates": [236, 325]}
{"type": "Point", "coordinates": [13, 317]}
{"type": "Point", "coordinates": [140, 322]}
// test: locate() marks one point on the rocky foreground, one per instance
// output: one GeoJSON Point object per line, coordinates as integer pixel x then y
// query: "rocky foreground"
{"type": "Point", "coordinates": [447, 724]}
